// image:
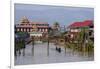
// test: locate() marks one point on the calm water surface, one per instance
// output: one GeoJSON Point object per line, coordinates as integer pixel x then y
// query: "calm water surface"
{"type": "Point", "coordinates": [38, 55]}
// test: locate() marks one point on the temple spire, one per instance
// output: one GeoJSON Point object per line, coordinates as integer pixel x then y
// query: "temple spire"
{"type": "Point", "coordinates": [24, 20]}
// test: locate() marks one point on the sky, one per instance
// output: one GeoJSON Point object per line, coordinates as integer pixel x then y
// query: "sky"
{"type": "Point", "coordinates": [64, 15]}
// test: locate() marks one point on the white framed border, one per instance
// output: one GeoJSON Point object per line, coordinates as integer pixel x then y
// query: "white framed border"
{"type": "Point", "coordinates": [12, 35]}
{"type": "Point", "coordinates": [69, 3]}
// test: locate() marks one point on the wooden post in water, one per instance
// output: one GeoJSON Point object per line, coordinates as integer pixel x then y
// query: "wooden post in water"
{"type": "Point", "coordinates": [65, 40]}
{"type": "Point", "coordinates": [23, 52]}
{"type": "Point", "coordinates": [65, 44]}
{"type": "Point", "coordinates": [48, 43]}
{"type": "Point", "coordinates": [33, 46]}
{"type": "Point", "coordinates": [23, 47]}
{"type": "Point", "coordinates": [48, 47]}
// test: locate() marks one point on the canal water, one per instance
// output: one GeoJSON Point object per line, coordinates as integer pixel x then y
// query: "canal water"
{"type": "Point", "coordinates": [38, 55]}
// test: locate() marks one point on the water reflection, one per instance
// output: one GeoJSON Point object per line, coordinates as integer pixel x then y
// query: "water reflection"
{"type": "Point", "coordinates": [24, 52]}
{"type": "Point", "coordinates": [39, 52]}
{"type": "Point", "coordinates": [32, 50]}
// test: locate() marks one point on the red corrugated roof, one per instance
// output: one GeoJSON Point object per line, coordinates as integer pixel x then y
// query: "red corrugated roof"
{"type": "Point", "coordinates": [81, 24]}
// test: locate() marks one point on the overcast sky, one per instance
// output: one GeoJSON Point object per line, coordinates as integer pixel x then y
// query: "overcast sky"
{"type": "Point", "coordinates": [43, 13]}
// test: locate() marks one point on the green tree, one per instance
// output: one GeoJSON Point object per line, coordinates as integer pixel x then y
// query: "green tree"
{"type": "Point", "coordinates": [56, 26]}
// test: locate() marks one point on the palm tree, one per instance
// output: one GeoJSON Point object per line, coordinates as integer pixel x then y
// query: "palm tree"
{"type": "Point", "coordinates": [56, 26]}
